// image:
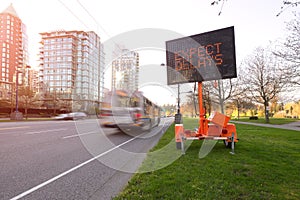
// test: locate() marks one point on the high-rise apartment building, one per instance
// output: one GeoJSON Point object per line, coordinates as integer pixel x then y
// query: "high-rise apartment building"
{"type": "Point", "coordinates": [13, 49]}
{"type": "Point", "coordinates": [71, 69]}
{"type": "Point", "coordinates": [125, 70]}
{"type": "Point", "coordinates": [102, 72]}
{"type": "Point", "coordinates": [33, 79]}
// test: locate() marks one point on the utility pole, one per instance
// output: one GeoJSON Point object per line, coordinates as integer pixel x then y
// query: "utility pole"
{"type": "Point", "coordinates": [178, 100]}
{"type": "Point", "coordinates": [16, 115]}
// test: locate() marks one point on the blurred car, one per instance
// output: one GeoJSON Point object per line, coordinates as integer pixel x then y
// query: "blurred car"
{"type": "Point", "coordinates": [71, 116]}
{"type": "Point", "coordinates": [77, 115]}
{"type": "Point", "coordinates": [61, 117]}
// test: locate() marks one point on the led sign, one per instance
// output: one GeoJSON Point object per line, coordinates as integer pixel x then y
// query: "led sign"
{"type": "Point", "coordinates": [202, 57]}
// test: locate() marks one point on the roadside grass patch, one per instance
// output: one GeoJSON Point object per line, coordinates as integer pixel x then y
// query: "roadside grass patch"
{"type": "Point", "coordinates": [266, 166]}
{"type": "Point", "coordinates": [262, 120]}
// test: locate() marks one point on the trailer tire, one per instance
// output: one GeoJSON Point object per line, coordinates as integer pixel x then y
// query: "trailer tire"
{"type": "Point", "coordinates": [178, 145]}
{"type": "Point", "coordinates": [227, 144]}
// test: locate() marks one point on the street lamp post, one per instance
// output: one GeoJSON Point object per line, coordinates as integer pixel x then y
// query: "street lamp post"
{"type": "Point", "coordinates": [17, 86]}
{"type": "Point", "coordinates": [16, 115]}
{"type": "Point", "coordinates": [178, 100]}
{"type": "Point", "coordinates": [178, 118]}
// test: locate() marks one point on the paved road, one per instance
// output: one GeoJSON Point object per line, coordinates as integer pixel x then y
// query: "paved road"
{"type": "Point", "coordinates": [291, 126]}
{"type": "Point", "coordinates": [69, 160]}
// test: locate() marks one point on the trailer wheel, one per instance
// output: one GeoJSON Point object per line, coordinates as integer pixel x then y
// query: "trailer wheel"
{"type": "Point", "coordinates": [227, 144]}
{"type": "Point", "coordinates": [178, 145]}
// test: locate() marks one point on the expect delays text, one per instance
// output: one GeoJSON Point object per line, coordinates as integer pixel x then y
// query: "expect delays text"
{"type": "Point", "coordinates": [202, 56]}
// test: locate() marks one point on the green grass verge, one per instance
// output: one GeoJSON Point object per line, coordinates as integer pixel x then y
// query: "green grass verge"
{"type": "Point", "coordinates": [262, 120]}
{"type": "Point", "coordinates": [266, 166]}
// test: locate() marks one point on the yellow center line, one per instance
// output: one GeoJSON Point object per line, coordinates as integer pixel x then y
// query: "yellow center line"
{"type": "Point", "coordinates": [7, 128]}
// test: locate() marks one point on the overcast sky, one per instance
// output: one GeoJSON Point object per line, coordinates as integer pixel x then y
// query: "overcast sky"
{"type": "Point", "coordinates": [255, 21]}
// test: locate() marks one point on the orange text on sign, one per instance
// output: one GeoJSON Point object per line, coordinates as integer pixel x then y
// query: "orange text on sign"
{"type": "Point", "coordinates": [202, 56]}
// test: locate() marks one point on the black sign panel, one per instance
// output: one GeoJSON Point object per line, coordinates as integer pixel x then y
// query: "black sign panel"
{"type": "Point", "coordinates": [202, 57]}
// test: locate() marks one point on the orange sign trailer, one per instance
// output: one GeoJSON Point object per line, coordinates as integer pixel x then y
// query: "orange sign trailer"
{"type": "Point", "coordinates": [218, 129]}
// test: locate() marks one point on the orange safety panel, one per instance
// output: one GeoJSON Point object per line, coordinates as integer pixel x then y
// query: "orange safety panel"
{"type": "Point", "coordinates": [214, 130]}
{"type": "Point", "coordinates": [178, 132]}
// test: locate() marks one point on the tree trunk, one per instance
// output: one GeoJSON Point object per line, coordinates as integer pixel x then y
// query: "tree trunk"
{"type": "Point", "coordinates": [238, 109]}
{"type": "Point", "coordinates": [221, 99]}
{"type": "Point", "coordinates": [267, 112]}
{"type": "Point", "coordinates": [26, 113]}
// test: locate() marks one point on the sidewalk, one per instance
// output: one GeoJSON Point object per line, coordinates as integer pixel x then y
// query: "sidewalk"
{"type": "Point", "coordinates": [291, 126]}
{"type": "Point", "coordinates": [29, 119]}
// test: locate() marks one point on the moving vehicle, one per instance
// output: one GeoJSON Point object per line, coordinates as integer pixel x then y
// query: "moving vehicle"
{"type": "Point", "coordinates": [71, 116]}
{"type": "Point", "coordinates": [129, 111]}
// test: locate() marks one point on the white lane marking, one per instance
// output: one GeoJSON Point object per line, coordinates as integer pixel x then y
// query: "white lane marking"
{"type": "Point", "coordinates": [45, 131]}
{"type": "Point", "coordinates": [69, 171]}
{"type": "Point", "coordinates": [77, 135]}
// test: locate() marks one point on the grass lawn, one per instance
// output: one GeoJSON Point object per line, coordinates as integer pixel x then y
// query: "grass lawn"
{"type": "Point", "coordinates": [272, 120]}
{"type": "Point", "coordinates": [266, 165]}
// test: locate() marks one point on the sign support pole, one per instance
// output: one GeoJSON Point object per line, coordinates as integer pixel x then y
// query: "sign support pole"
{"type": "Point", "coordinates": [203, 122]}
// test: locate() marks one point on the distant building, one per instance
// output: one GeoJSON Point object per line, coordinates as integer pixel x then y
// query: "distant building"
{"type": "Point", "coordinates": [102, 72]}
{"type": "Point", "coordinates": [13, 51]}
{"type": "Point", "coordinates": [6, 89]}
{"type": "Point", "coordinates": [125, 70]}
{"type": "Point", "coordinates": [71, 69]}
{"type": "Point", "coordinates": [33, 79]}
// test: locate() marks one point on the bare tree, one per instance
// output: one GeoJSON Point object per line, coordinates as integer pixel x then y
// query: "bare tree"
{"type": "Point", "coordinates": [285, 5]}
{"type": "Point", "coordinates": [216, 3]}
{"type": "Point", "coordinates": [28, 99]}
{"type": "Point", "coordinates": [238, 95]}
{"type": "Point", "coordinates": [265, 77]}
{"type": "Point", "coordinates": [220, 91]}
{"type": "Point", "coordinates": [190, 107]}
{"type": "Point", "coordinates": [288, 4]}
{"type": "Point", "coordinates": [290, 49]}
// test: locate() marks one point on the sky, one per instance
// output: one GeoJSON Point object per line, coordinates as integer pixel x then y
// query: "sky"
{"type": "Point", "coordinates": [255, 21]}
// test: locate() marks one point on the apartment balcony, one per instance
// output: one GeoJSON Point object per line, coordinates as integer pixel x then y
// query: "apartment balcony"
{"type": "Point", "coordinates": [20, 52]}
{"type": "Point", "coordinates": [85, 38]}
